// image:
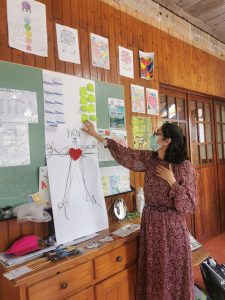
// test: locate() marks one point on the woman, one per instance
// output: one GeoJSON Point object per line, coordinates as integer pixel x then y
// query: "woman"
{"type": "Point", "coordinates": [164, 266]}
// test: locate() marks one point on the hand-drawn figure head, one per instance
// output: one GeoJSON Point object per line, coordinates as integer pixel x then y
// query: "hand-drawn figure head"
{"type": "Point", "coordinates": [26, 7]}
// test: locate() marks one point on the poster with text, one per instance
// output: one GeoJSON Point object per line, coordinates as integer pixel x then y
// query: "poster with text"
{"type": "Point", "coordinates": [27, 26]}
{"type": "Point", "coordinates": [141, 131]}
{"type": "Point", "coordinates": [116, 113]}
{"type": "Point", "coordinates": [126, 63]}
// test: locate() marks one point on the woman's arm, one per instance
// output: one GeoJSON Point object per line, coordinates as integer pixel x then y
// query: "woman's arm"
{"type": "Point", "coordinates": [135, 160]}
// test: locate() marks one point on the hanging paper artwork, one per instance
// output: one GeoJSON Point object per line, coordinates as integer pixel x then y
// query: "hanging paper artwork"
{"type": "Point", "coordinates": [126, 62]}
{"type": "Point", "coordinates": [27, 26]}
{"type": "Point", "coordinates": [138, 98]}
{"type": "Point", "coordinates": [141, 130]}
{"type": "Point", "coordinates": [116, 113]}
{"type": "Point", "coordinates": [100, 51]}
{"type": "Point", "coordinates": [152, 102]}
{"type": "Point", "coordinates": [146, 64]}
{"type": "Point", "coordinates": [44, 185]}
{"type": "Point", "coordinates": [77, 197]}
{"type": "Point", "coordinates": [68, 45]}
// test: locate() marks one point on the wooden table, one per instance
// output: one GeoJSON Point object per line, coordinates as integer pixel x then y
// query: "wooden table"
{"type": "Point", "coordinates": [198, 256]}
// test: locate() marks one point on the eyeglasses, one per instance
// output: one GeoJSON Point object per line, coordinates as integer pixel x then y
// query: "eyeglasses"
{"type": "Point", "coordinates": [157, 133]}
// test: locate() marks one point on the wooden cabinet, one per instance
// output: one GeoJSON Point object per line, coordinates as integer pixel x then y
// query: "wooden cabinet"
{"type": "Point", "coordinates": [105, 273]}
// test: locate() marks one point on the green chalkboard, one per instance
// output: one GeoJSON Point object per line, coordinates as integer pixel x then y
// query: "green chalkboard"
{"type": "Point", "coordinates": [16, 183]}
{"type": "Point", "coordinates": [103, 92]}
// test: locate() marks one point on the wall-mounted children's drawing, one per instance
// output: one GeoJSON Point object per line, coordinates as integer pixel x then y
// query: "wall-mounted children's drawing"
{"type": "Point", "coordinates": [77, 200]}
{"type": "Point", "coordinates": [141, 131]}
{"type": "Point", "coordinates": [27, 26]}
{"type": "Point", "coordinates": [44, 185]}
{"type": "Point", "coordinates": [116, 113]}
{"type": "Point", "coordinates": [138, 98]}
{"type": "Point", "coordinates": [100, 51]}
{"type": "Point", "coordinates": [68, 44]}
{"type": "Point", "coordinates": [146, 64]}
{"type": "Point", "coordinates": [126, 62]}
{"type": "Point", "coordinates": [14, 146]}
{"type": "Point", "coordinates": [152, 101]}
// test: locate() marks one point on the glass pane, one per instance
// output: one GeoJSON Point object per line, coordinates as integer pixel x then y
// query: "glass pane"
{"type": "Point", "coordinates": [181, 109]}
{"type": "Point", "coordinates": [223, 151]}
{"type": "Point", "coordinates": [207, 113]}
{"type": "Point", "coordinates": [223, 133]}
{"type": "Point", "coordinates": [208, 133]}
{"type": "Point", "coordinates": [163, 108]}
{"type": "Point", "coordinates": [203, 154]}
{"type": "Point", "coordinates": [220, 151]}
{"type": "Point", "coordinates": [218, 119]}
{"type": "Point", "coordinates": [194, 133]}
{"type": "Point", "coordinates": [218, 132]}
{"type": "Point", "coordinates": [200, 111]}
{"type": "Point", "coordinates": [201, 133]}
{"type": "Point", "coordinates": [223, 113]}
{"type": "Point", "coordinates": [195, 155]}
{"type": "Point", "coordinates": [209, 153]}
{"type": "Point", "coordinates": [183, 127]}
{"type": "Point", "coordinates": [193, 111]}
{"type": "Point", "coordinates": [171, 108]}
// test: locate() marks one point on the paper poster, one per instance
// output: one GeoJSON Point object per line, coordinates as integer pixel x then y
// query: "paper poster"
{"type": "Point", "coordinates": [27, 26]}
{"type": "Point", "coordinates": [120, 136]}
{"type": "Point", "coordinates": [87, 102]}
{"type": "Point", "coordinates": [14, 146]}
{"type": "Point", "coordinates": [141, 131]}
{"type": "Point", "coordinates": [152, 99]}
{"type": "Point", "coordinates": [18, 106]}
{"type": "Point", "coordinates": [100, 51]}
{"type": "Point", "coordinates": [115, 180]}
{"type": "Point", "coordinates": [54, 101]}
{"type": "Point", "coordinates": [44, 185]}
{"type": "Point", "coordinates": [116, 113]}
{"type": "Point", "coordinates": [138, 98]}
{"type": "Point", "coordinates": [68, 44]}
{"type": "Point", "coordinates": [126, 63]}
{"type": "Point", "coordinates": [74, 178]}
{"type": "Point", "coordinates": [146, 64]}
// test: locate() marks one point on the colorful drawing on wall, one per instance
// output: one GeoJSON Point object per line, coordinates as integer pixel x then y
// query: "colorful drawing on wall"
{"type": "Point", "coordinates": [141, 130]}
{"type": "Point", "coordinates": [116, 113]}
{"type": "Point", "coordinates": [100, 51]}
{"type": "Point", "coordinates": [68, 45]}
{"type": "Point", "coordinates": [138, 98]}
{"type": "Point", "coordinates": [152, 102]}
{"type": "Point", "coordinates": [126, 63]}
{"type": "Point", "coordinates": [27, 26]}
{"type": "Point", "coordinates": [146, 64]}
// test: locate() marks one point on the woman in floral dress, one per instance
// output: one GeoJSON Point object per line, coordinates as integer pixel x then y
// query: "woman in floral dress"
{"type": "Point", "coordinates": [164, 266]}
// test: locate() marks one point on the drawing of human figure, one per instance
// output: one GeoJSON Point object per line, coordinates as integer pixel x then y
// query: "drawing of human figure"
{"type": "Point", "coordinates": [27, 32]}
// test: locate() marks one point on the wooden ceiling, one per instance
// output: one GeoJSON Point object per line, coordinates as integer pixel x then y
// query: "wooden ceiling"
{"type": "Point", "coordinates": [208, 15]}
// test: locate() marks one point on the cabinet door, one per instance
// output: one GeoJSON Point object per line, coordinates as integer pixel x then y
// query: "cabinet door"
{"type": "Point", "coordinates": [87, 294]}
{"type": "Point", "coordinates": [121, 286]}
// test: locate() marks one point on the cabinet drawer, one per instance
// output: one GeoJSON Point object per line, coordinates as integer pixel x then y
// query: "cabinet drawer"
{"type": "Point", "coordinates": [62, 284]}
{"type": "Point", "coordinates": [115, 260]}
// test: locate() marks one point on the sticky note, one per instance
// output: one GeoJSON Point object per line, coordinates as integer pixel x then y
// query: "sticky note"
{"type": "Point", "coordinates": [83, 99]}
{"type": "Point", "coordinates": [83, 91]}
{"type": "Point", "coordinates": [84, 108]}
{"type": "Point", "coordinates": [91, 87]}
{"type": "Point", "coordinates": [92, 118]}
{"type": "Point", "coordinates": [84, 117]}
{"type": "Point", "coordinates": [91, 98]}
{"type": "Point", "coordinates": [91, 108]}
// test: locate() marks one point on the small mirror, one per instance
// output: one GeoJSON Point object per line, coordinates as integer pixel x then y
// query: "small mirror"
{"type": "Point", "coordinates": [120, 209]}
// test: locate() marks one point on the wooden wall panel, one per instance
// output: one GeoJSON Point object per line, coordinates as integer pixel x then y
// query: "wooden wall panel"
{"type": "Point", "coordinates": [176, 63]}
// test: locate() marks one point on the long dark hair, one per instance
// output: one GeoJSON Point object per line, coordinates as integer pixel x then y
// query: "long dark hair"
{"type": "Point", "coordinates": [177, 149]}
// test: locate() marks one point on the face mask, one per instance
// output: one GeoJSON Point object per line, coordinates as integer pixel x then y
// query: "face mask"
{"type": "Point", "coordinates": [154, 143]}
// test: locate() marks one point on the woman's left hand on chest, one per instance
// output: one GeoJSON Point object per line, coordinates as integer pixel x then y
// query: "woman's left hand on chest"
{"type": "Point", "coordinates": [166, 174]}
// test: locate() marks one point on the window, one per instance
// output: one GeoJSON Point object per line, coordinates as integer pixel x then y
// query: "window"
{"type": "Point", "coordinates": [220, 130]}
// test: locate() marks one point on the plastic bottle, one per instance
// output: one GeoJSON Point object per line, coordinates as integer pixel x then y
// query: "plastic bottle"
{"type": "Point", "coordinates": [140, 200]}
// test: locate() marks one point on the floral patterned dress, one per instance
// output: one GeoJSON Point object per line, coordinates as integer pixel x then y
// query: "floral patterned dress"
{"type": "Point", "coordinates": [164, 266]}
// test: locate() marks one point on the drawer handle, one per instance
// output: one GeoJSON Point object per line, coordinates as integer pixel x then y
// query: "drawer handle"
{"type": "Point", "coordinates": [64, 285]}
{"type": "Point", "coordinates": [119, 258]}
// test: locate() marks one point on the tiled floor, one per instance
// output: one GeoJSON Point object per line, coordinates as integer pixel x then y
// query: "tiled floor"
{"type": "Point", "coordinates": [216, 249]}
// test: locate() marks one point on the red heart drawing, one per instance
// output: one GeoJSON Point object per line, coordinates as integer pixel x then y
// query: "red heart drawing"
{"type": "Point", "coordinates": [75, 153]}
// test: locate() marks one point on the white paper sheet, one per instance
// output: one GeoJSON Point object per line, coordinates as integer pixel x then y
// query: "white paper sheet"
{"type": "Point", "coordinates": [68, 45]}
{"type": "Point", "coordinates": [44, 185]}
{"type": "Point", "coordinates": [76, 193]}
{"type": "Point", "coordinates": [126, 63]}
{"type": "Point", "coordinates": [18, 106]}
{"type": "Point", "coordinates": [100, 51]}
{"type": "Point", "coordinates": [27, 26]}
{"type": "Point", "coordinates": [14, 146]}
